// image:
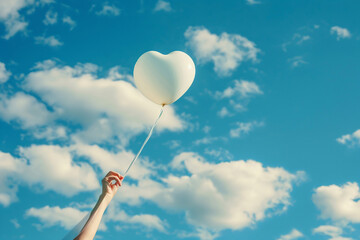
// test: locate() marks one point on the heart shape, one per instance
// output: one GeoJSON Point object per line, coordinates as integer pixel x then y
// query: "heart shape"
{"type": "Point", "coordinates": [164, 78]}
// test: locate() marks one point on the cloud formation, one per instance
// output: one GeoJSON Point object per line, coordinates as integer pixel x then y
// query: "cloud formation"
{"type": "Point", "coordinates": [338, 203]}
{"type": "Point", "coordinates": [341, 33]}
{"type": "Point", "coordinates": [66, 217]}
{"type": "Point", "coordinates": [333, 232]}
{"type": "Point", "coordinates": [350, 140]}
{"type": "Point", "coordinates": [162, 5]}
{"type": "Point", "coordinates": [239, 96]}
{"type": "Point", "coordinates": [106, 109]}
{"type": "Point", "coordinates": [10, 15]}
{"type": "Point", "coordinates": [24, 109]}
{"type": "Point", "coordinates": [108, 10]}
{"type": "Point", "coordinates": [244, 128]}
{"type": "Point", "coordinates": [49, 167]}
{"type": "Point", "coordinates": [294, 234]}
{"type": "Point", "coordinates": [228, 195]}
{"type": "Point", "coordinates": [69, 21]}
{"type": "Point", "coordinates": [241, 88]}
{"type": "Point", "coordinates": [50, 18]}
{"type": "Point", "coordinates": [4, 74]}
{"type": "Point", "coordinates": [226, 51]}
{"type": "Point", "coordinates": [51, 41]}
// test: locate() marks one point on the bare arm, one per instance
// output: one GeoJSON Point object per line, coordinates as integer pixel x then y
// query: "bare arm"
{"type": "Point", "coordinates": [109, 189]}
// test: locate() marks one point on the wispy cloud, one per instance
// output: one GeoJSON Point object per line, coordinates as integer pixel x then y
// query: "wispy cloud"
{"type": "Point", "coordinates": [341, 33]}
{"type": "Point", "coordinates": [224, 112]}
{"type": "Point", "coordinates": [226, 51]}
{"type": "Point", "coordinates": [334, 232]}
{"type": "Point", "coordinates": [108, 10]}
{"type": "Point", "coordinates": [4, 74]}
{"type": "Point", "coordinates": [239, 95]}
{"type": "Point", "coordinates": [51, 41]}
{"type": "Point", "coordinates": [294, 234]}
{"type": "Point", "coordinates": [297, 39]}
{"type": "Point", "coordinates": [10, 15]}
{"type": "Point", "coordinates": [68, 20]}
{"type": "Point", "coordinates": [297, 61]}
{"type": "Point", "coordinates": [162, 5]}
{"type": "Point", "coordinates": [50, 18]}
{"type": "Point", "coordinates": [350, 140]}
{"type": "Point", "coordinates": [242, 89]}
{"type": "Point", "coordinates": [243, 128]}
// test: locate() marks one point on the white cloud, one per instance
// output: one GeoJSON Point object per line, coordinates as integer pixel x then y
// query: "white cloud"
{"type": "Point", "coordinates": [338, 203]}
{"type": "Point", "coordinates": [239, 96]}
{"type": "Point", "coordinates": [244, 128]}
{"type": "Point", "coordinates": [226, 51]}
{"type": "Point", "coordinates": [218, 153]}
{"type": "Point", "coordinates": [10, 16]}
{"type": "Point", "coordinates": [350, 140]}
{"type": "Point", "coordinates": [238, 193]}
{"type": "Point", "coordinates": [51, 41]}
{"type": "Point", "coordinates": [48, 166]}
{"type": "Point", "coordinates": [109, 10]}
{"type": "Point", "coordinates": [52, 167]}
{"type": "Point", "coordinates": [148, 221]}
{"type": "Point", "coordinates": [66, 217]}
{"type": "Point", "coordinates": [162, 6]}
{"type": "Point", "coordinates": [68, 20]}
{"type": "Point", "coordinates": [119, 161]}
{"type": "Point", "coordinates": [302, 39]}
{"type": "Point", "coordinates": [15, 222]}
{"type": "Point", "coordinates": [8, 187]}
{"type": "Point", "coordinates": [297, 39]}
{"type": "Point", "coordinates": [205, 140]}
{"type": "Point", "coordinates": [224, 112]}
{"type": "Point", "coordinates": [105, 109]}
{"type": "Point", "coordinates": [206, 129]}
{"type": "Point", "coordinates": [201, 233]}
{"type": "Point", "coordinates": [50, 132]}
{"type": "Point", "coordinates": [242, 89]}
{"type": "Point", "coordinates": [297, 61]}
{"type": "Point", "coordinates": [332, 231]}
{"type": "Point", "coordinates": [341, 33]}
{"type": "Point", "coordinates": [118, 73]}
{"type": "Point", "coordinates": [24, 109]}
{"type": "Point", "coordinates": [50, 18]}
{"type": "Point", "coordinates": [4, 74]}
{"type": "Point", "coordinates": [294, 234]}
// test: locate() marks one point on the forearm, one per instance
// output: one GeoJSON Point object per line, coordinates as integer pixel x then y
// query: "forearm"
{"type": "Point", "coordinates": [89, 230]}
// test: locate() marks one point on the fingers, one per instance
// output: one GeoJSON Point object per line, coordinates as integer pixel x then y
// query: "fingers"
{"type": "Point", "coordinates": [112, 173]}
{"type": "Point", "coordinates": [113, 176]}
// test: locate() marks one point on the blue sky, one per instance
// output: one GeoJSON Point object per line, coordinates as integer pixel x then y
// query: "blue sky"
{"type": "Point", "coordinates": [264, 145]}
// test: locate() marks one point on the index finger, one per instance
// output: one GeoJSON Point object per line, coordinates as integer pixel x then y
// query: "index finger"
{"type": "Point", "coordinates": [117, 174]}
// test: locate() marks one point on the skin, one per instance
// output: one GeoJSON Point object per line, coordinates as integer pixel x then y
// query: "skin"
{"type": "Point", "coordinates": [110, 184]}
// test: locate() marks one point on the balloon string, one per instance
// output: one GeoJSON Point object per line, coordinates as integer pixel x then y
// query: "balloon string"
{"type": "Point", "coordinates": [75, 231]}
{"type": "Point", "coordinates": [146, 140]}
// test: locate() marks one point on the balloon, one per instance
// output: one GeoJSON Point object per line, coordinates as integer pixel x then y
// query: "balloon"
{"type": "Point", "coordinates": [164, 78]}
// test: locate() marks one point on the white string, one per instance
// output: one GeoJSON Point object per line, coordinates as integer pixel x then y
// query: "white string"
{"type": "Point", "coordinates": [76, 230]}
{"type": "Point", "coordinates": [146, 140]}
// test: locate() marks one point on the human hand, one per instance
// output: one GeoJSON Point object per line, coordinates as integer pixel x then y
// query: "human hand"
{"type": "Point", "coordinates": [109, 187]}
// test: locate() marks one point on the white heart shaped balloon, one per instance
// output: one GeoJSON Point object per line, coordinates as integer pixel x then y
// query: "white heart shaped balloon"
{"type": "Point", "coordinates": [164, 78]}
